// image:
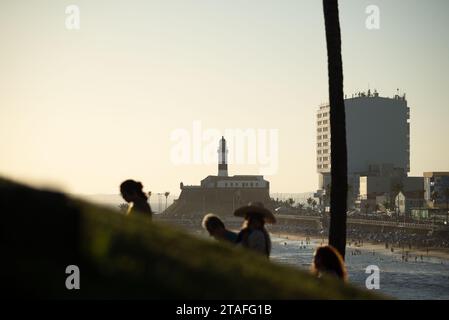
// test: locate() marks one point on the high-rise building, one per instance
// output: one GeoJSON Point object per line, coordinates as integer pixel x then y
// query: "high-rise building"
{"type": "Point", "coordinates": [377, 136]}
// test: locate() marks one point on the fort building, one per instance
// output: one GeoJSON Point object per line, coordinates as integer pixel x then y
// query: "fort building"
{"type": "Point", "coordinates": [221, 194]}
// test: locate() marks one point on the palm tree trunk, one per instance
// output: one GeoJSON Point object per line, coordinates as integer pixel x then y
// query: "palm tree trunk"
{"type": "Point", "coordinates": [339, 170]}
{"type": "Point", "coordinates": [447, 208]}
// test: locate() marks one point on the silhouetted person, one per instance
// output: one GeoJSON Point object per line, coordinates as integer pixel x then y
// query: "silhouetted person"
{"type": "Point", "coordinates": [216, 228]}
{"type": "Point", "coordinates": [253, 235]}
{"type": "Point", "coordinates": [327, 260]}
{"type": "Point", "coordinates": [132, 193]}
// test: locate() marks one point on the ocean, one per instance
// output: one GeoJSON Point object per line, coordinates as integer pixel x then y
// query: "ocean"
{"type": "Point", "coordinates": [420, 280]}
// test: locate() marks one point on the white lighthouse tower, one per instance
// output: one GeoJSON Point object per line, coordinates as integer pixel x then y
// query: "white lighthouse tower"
{"type": "Point", "coordinates": [222, 159]}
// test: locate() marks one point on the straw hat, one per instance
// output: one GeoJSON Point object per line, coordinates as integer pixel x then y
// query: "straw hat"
{"type": "Point", "coordinates": [255, 208]}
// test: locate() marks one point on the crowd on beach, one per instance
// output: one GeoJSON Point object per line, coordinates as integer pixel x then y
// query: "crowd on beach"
{"type": "Point", "coordinates": [399, 239]}
{"type": "Point", "coordinates": [389, 237]}
{"type": "Point", "coordinates": [252, 236]}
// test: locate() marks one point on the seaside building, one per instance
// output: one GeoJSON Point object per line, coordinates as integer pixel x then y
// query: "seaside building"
{"type": "Point", "coordinates": [378, 144]}
{"type": "Point", "coordinates": [436, 185]}
{"type": "Point", "coordinates": [221, 193]}
{"type": "Point", "coordinates": [406, 201]}
{"type": "Point", "coordinates": [432, 214]}
{"type": "Point", "coordinates": [383, 186]}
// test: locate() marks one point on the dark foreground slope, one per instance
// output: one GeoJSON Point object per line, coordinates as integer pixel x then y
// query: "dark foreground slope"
{"type": "Point", "coordinates": [43, 232]}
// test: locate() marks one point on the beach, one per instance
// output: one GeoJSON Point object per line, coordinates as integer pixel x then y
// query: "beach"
{"type": "Point", "coordinates": [300, 235]}
{"type": "Point", "coordinates": [406, 280]}
{"type": "Point", "coordinates": [426, 278]}
{"type": "Point", "coordinates": [437, 253]}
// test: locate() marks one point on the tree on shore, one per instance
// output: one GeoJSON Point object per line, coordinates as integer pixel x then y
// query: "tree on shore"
{"type": "Point", "coordinates": [309, 201]}
{"type": "Point", "coordinates": [339, 167]}
{"type": "Point", "coordinates": [434, 197]}
{"type": "Point", "coordinates": [366, 207]}
{"type": "Point", "coordinates": [314, 203]}
{"type": "Point", "coordinates": [386, 205]}
{"type": "Point", "coordinates": [166, 194]}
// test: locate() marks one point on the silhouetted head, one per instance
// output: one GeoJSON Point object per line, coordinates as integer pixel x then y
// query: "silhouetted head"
{"type": "Point", "coordinates": [132, 190]}
{"type": "Point", "coordinates": [328, 260]}
{"type": "Point", "coordinates": [214, 226]}
{"type": "Point", "coordinates": [254, 221]}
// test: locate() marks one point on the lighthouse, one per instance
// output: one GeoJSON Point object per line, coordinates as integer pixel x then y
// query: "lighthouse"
{"type": "Point", "coordinates": [221, 193]}
{"type": "Point", "coordinates": [222, 159]}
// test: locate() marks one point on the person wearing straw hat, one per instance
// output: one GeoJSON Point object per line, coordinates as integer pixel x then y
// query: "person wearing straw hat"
{"type": "Point", "coordinates": [253, 235]}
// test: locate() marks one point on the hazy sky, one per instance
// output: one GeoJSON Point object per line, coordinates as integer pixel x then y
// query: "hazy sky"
{"type": "Point", "coordinates": [84, 109]}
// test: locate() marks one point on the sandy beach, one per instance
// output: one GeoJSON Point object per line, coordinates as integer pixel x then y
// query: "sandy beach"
{"type": "Point", "coordinates": [369, 246]}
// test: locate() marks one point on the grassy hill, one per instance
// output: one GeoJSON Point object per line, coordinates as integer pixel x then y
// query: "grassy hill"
{"type": "Point", "coordinates": [42, 232]}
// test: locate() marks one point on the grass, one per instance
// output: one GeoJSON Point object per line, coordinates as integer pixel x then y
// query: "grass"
{"type": "Point", "coordinates": [127, 257]}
